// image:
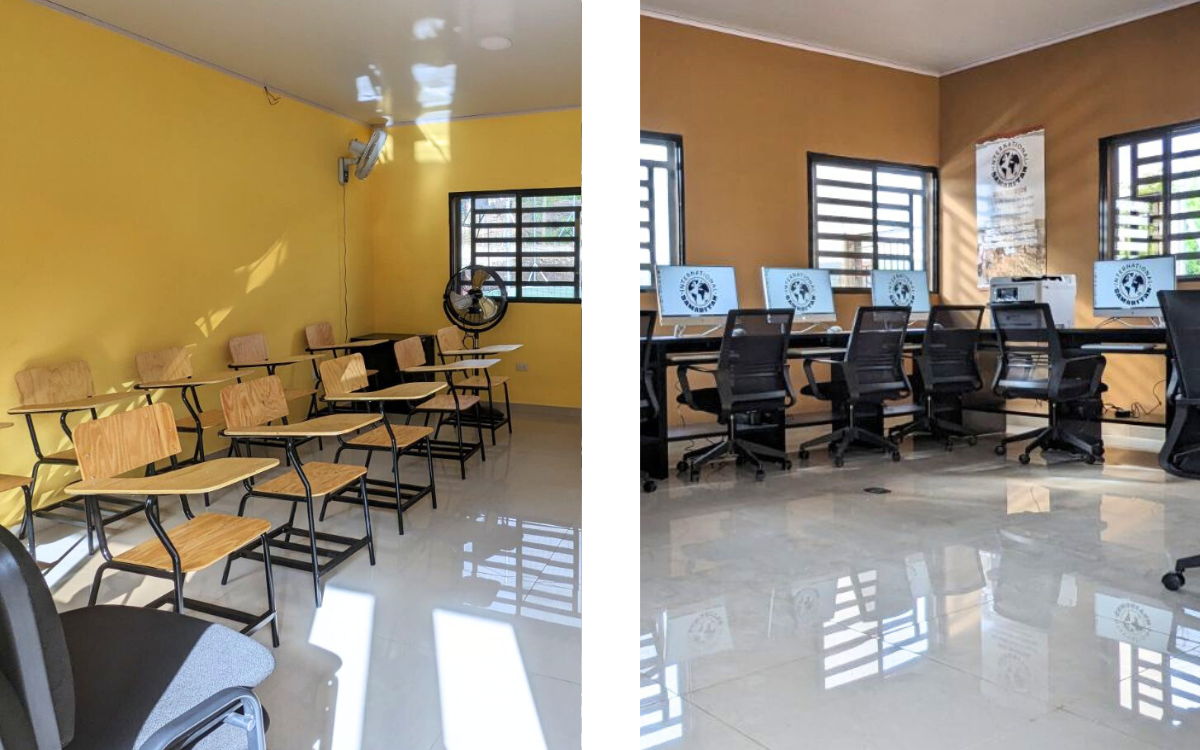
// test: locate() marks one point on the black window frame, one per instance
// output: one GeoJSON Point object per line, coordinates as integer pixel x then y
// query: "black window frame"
{"type": "Point", "coordinates": [932, 195]}
{"type": "Point", "coordinates": [679, 253]}
{"type": "Point", "coordinates": [518, 241]}
{"type": "Point", "coordinates": [1107, 213]}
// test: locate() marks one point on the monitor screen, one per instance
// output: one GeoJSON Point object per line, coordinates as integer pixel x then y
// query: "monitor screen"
{"type": "Point", "coordinates": [1133, 284]}
{"type": "Point", "coordinates": [806, 290]}
{"type": "Point", "coordinates": [696, 291]}
{"type": "Point", "coordinates": [900, 289]}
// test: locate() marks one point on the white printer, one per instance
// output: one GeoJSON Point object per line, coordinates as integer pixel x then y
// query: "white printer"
{"type": "Point", "coordinates": [1056, 291]}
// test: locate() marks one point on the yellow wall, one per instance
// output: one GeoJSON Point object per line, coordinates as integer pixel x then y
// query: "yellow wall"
{"type": "Point", "coordinates": [410, 198]}
{"type": "Point", "coordinates": [146, 201]}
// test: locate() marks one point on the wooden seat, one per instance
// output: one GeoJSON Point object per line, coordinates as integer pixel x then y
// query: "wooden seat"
{"type": "Point", "coordinates": [445, 402]}
{"type": "Point", "coordinates": [406, 435]}
{"type": "Point", "coordinates": [11, 482]}
{"type": "Point", "coordinates": [324, 478]}
{"type": "Point", "coordinates": [480, 381]}
{"type": "Point", "coordinates": [208, 420]}
{"type": "Point", "coordinates": [67, 455]}
{"type": "Point", "coordinates": [200, 542]}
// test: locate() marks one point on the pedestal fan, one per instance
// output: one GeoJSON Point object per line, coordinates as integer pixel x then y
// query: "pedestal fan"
{"type": "Point", "coordinates": [475, 301]}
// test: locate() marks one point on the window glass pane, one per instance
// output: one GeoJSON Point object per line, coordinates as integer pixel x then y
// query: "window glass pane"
{"type": "Point", "coordinates": [660, 209]}
{"type": "Point", "coordinates": [1187, 164]}
{"type": "Point", "coordinates": [1150, 148]}
{"type": "Point", "coordinates": [656, 151]}
{"type": "Point", "coordinates": [1186, 142]}
{"type": "Point", "coordinates": [843, 174]}
{"type": "Point", "coordinates": [901, 179]}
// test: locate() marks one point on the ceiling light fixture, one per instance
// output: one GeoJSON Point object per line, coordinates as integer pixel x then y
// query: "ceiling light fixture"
{"type": "Point", "coordinates": [495, 43]}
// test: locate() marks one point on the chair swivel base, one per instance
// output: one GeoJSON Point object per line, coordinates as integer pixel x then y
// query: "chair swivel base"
{"type": "Point", "coordinates": [1053, 438]}
{"type": "Point", "coordinates": [1175, 580]}
{"type": "Point", "coordinates": [744, 450]}
{"type": "Point", "coordinates": [929, 423]}
{"type": "Point", "coordinates": [841, 439]}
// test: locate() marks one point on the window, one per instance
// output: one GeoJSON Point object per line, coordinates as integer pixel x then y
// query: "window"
{"type": "Point", "coordinates": [662, 203]}
{"type": "Point", "coordinates": [867, 215]}
{"type": "Point", "coordinates": [530, 237]}
{"type": "Point", "coordinates": [1150, 195]}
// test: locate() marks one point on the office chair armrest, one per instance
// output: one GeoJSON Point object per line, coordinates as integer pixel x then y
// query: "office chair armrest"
{"type": "Point", "coordinates": [237, 706]}
{"type": "Point", "coordinates": [685, 385]}
{"type": "Point", "coordinates": [813, 383]}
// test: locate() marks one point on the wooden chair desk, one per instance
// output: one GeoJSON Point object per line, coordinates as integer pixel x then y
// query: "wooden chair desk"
{"type": "Point", "coordinates": [116, 445]}
{"type": "Point", "coordinates": [12, 482]}
{"type": "Point", "coordinates": [449, 346]}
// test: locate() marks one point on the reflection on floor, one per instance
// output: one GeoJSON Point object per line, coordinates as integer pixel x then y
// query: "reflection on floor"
{"type": "Point", "coordinates": [465, 634]}
{"type": "Point", "coordinates": [979, 604]}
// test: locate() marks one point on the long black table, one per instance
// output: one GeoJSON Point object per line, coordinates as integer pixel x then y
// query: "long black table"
{"type": "Point", "coordinates": [666, 351]}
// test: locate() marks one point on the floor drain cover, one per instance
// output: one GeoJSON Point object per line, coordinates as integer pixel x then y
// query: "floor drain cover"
{"type": "Point", "coordinates": [878, 490]}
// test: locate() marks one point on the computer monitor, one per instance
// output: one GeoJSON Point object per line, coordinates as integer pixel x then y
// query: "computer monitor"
{"type": "Point", "coordinates": [808, 291]}
{"type": "Point", "coordinates": [1129, 288]}
{"type": "Point", "coordinates": [901, 289]}
{"type": "Point", "coordinates": [695, 295]}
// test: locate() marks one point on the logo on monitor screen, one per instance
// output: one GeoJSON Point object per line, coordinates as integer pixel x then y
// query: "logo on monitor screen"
{"type": "Point", "coordinates": [1009, 164]}
{"type": "Point", "coordinates": [900, 291]}
{"type": "Point", "coordinates": [1132, 284]}
{"type": "Point", "coordinates": [698, 291]}
{"type": "Point", "coordinates": [800, 292]}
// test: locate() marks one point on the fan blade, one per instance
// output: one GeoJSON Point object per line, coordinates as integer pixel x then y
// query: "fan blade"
{"type": "Point", "coordinates": [479, 278]}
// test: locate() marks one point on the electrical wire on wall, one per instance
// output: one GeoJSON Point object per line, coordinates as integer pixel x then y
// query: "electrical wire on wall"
{"type": "Point", "coordinates": [345, 273]}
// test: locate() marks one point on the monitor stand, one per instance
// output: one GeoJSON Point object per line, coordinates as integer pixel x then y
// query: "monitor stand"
{"type": "Point", "coordinates": [1155, 322]}
{"type": "Point", "coordinates": [680, 331]}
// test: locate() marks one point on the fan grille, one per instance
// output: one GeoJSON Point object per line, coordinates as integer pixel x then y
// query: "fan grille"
{"type": "Point", "coordinates": [475, 299]}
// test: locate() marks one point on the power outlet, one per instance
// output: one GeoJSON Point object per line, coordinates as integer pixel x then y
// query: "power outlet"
{"type": "Point", "coordinates": [522, 367]}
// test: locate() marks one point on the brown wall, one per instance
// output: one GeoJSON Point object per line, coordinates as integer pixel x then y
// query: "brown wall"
{"type": "Point", "coordinates": [749, 113]}
{"type": "Point", "coordinates": [1134, 76]}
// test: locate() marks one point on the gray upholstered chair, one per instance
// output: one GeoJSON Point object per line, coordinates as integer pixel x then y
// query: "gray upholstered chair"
{"type": "Point", "coordinates": [119, 678]}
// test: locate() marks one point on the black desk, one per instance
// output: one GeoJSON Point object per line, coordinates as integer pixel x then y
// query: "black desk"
{"type": "Point", "coordinates": [657, 434]}
{"type": "Point", "coordinates": [383, 358]}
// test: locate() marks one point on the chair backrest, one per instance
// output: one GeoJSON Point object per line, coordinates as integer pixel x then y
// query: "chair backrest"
{"type": "Point", "coordinates": [951, 341]}
{"type": "Point", "coordinates": [1181, 309]}
{"type": "Point", "coordinates": [876, 348]}
{"type": "Point", "coordinates": [649, 400]}
{"type": "Point", "coordinates": [165, 364]}
{"type": "Point", "coordinates": [54, 384]}
{"type": "Point", "coordinates": [110, 446]}
{"type": "Point", "coordinates": [449, 339]}
{"type": "Point", "coordinates": [344, 375]}
{"type": "Point", "coordinates": [37, 689]}
{"type": "Point", "coordinates": [1029, 342]}
{"type": "Point", "coordinates": [410, 352]}
{"type": "Point", "coordinates": [318, 334]}
{"type": "Point", "coordinates": [249, 348]}
{"type": "Point", "coordinates": [752, 370]}
{"type": "Point", "coordinates": [254, 403]}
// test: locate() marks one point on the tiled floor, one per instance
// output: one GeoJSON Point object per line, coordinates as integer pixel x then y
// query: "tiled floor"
{"type": "Point", "coordinates": [979, 604]}
{"type": "Point", "coordinates": [465, 634]}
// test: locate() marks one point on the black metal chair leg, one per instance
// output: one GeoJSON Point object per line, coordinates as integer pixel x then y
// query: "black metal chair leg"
{"type": "Point", "coordinates": [96, 584]}
{"type": "Point", "coordinates": [429, 461]}
{"type": "Point", "coordinates": [27, 520]}
{"type": "Point", "coordinates": [479, 427]}
{"type": "Point", "coordinates": [266, 548]}
{"type": "Point", "coordinates": [507, 409]}
{"type": "Point", "coordinates": [366, 504]}
{"type": "Point", "coordinates": [399, 498]}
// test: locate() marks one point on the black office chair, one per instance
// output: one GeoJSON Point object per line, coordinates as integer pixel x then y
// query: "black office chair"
{"type": "Point", "coordinates": [1181, 310]}
{"type": "Point", "coordinates": [119, 678]}
{"type": "Point", "coordinates": [1033, 365]}
{"type": "Point", "coordinates": [752, 381]}
{"type": "Point", "coordinates": [650, 405]}
{"type": "Point", "coordinates": [870, 373]}
{"type": "Point", "coordinates": [948, 371]}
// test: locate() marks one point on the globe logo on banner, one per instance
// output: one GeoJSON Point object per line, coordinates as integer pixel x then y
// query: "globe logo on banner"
{"type": "Point", "coordinates": [900, 291]}
{"type": "Point", "coordinates": [798, 288]}
{"type": "Point", "coordinates": [1132, 284]}
{"type": "Point", "coordinates": [1010, 164]}
{"type": "Point", "coordinates": [698, 291]}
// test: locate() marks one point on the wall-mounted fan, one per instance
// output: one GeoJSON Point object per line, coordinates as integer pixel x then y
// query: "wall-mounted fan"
{"type": "Point", "coordinates": [365, 156]}
{"type": "Point", "coordinates": [475, 300]}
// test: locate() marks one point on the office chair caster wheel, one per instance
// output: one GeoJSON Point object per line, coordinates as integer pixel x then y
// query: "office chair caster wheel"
{"type": "Point", "coordinates": [1089, 459]}
{"type": "Point", "coordinates": [694, 475]}
{"type": "Point", "coordinates": [802, 455]}
{"type": "Point", "coordinates": [760, 475]}
{"type": "Point", "coordinates": [972, 440]}
{"type": "Point", "coordinates": [649, 485]}
{"type": "Point", "coordinates": [839, 462]}
{"type": "Point", "coordinates": [681, 466]}
{"type": "Point", "coordinates": [949, 446]}
{"type": "Point", "coordinates": [895, 455]}
{"type": "Point", "coordinates": [1173, 581]}
{"type": "Point", "coordinates": [1023, 458]}
{"type": "Point", "coordinates": [1001, 450]}
{"type": "Point", "coordinates": [787, 465]}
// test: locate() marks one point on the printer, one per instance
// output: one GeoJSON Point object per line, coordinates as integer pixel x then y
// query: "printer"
{"type": "Point", "coordinates": [1056, 291]}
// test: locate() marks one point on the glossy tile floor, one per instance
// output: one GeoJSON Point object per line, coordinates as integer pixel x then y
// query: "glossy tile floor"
{"type": "Point", "coordinates": [464, 635]}
{"type": "Point", "coordinates": [979, 604]}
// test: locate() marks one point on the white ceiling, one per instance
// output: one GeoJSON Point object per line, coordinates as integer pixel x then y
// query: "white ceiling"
{"type": "Point", "coordinates": [928, 36]}
{"type": "Point", "coordinates": [422, 57]}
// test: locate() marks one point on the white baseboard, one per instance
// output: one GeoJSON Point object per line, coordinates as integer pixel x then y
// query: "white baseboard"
{"type": "Point", "coordinates": [1127, 436]}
